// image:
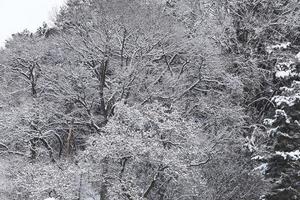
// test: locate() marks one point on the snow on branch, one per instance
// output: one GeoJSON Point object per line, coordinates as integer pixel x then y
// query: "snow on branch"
{"type": "Point", "coordinates": [293, 155]}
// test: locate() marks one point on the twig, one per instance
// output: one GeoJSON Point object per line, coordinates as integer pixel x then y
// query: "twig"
{"type": "Point", "coordinates": [191, 87]}
{"type": "Point", "coordinates": [260, 99]}
{"type": "Point", "coordinates": [45, 143]}
{"type": "Point", "coordinates": [9, 151]}
{"type": "Point", "coordinates": [182, 68]}
{"type": "Point", "coordinates": [3, 145]}
{"type": "Point", "coordinates": [200, 163]}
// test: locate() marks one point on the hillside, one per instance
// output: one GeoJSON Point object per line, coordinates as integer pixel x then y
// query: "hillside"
{"type": "Point", "coordinates": [156, 100]}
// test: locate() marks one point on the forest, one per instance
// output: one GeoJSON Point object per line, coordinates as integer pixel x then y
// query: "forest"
{"type": "Point", "coordinates": [153, 100]}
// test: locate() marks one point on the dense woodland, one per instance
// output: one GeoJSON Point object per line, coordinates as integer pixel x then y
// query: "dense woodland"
{"type": "Point", "coordinates": [154, 100]}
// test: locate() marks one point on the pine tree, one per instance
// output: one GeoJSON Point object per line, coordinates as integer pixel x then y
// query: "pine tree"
{"type": "Point", "coordinates": [283, 162]}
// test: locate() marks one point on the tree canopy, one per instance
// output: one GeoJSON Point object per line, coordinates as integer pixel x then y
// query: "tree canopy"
{"type": "Point", "coordinates": [158, 100]}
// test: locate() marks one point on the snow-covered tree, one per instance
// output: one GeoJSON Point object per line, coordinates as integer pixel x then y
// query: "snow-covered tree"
{"type": "Point", "coordinates": [283, 160]}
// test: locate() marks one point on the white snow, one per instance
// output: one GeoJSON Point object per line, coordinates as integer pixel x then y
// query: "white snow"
{"type": "Point", "coordinates": [262, 168]}
{"type": "Point", "coordinates": [257, 158]}
{"type": "Point", "coordinates": [283, 74]}
{"type": "Point", "coordinates": [284, 65]}
{"type": "Point", "coordinates": [293, 155]}
{"type": "Point", "coordinates": [290, 101]}
{"type": "Point", "coordinates": [282, 154]}
{"type": "Point", "coordinates": [281, 46]}
{"type": "Point", "coordinates": [268, 122]}
{"type": "Point", "coordinates": [290, 73]}
{"type": "Point", "coordinates": [279, 100]}
{"type": "Point", "coordinates": [280, 112]}
{"type": "Point", "coordinates": [250, 143]}
{"type": "Point", "coordinates": [287, 89]}
{"type": "Point", "coordinates": [269, 50]}
{"type": "Point", "coordinates": [263, 197]}
{"type": "Point", "coordinates": [298, 56]}
{"type": "Point", "coordinates": [296, 84]}
{"type": "Point", "coordinates": [297, 122]}
{"type": "Point", "coordinates": [283, 134]}
{"type": "Point", "coordinates": [278, 46]}
{"type": "Point", "coordinates": [50, 198]}
{"type": "Point", "coordinates": [272, 131]}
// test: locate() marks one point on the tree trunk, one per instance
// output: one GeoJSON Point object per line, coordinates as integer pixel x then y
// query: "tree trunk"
{"type": "Point", "coordinates": [104, 184]}
{"type": "Point", "coordinates": [101, 78]}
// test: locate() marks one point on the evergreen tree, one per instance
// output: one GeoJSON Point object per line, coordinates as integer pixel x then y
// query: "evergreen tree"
{"type": "Point", "coordinates": [283, 162]}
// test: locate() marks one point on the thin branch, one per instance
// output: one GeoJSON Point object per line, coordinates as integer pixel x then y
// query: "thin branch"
{"type": "Point", "coordinates": [182, 68]}
{"type": "Point", "coordinates": [3, 145]}
{"type": "Point", "coordinates": [190, 88]}
{"type": "Point", "coordinates": [60, 142]}
{"type": "Point", "coordinates": [45, 143]}
{"type": "Point", "coordinates": [200, 163]}
{"type": "Point", "coordinates": [260, 99]}
{"type": "Point", "coordinates": [11, 152]}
